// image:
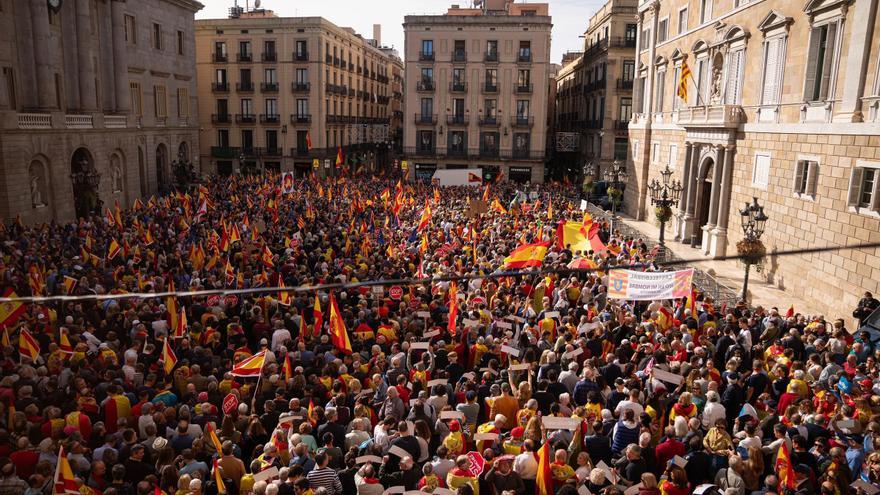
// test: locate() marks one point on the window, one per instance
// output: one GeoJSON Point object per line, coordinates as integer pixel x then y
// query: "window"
{"type": "Point", "coordinates": [676, 79]}
{"type": "Point", "coordinates": [137, 99]}
{"type": "Point", "coordinates": [427, 76]}
{"type": "Point", "coordinates": [183, 102]}
{"type": "Point", "coordinates": [702, 80]}
{"type": "Point", "coordinates": [223, 138]}
{"type": "Point", "coordinates": [219, 50]}
{"type": "Point", "coordinates": [673, 156]}
{"type": "Point", "coordinates": [302, 106]}
{"type": "Point", "coordinates": [428, 47]}
{"type": "Point", "coordinates": [302, 76]}
{"type": "Point", "coordinates": [621, 146]}
{"type": "Point", "coordinates": [491, 77]}
{"type": "Point", "coordinates": [301, 49]}
{"type": "Point", "coordinates": [630, 34]}
{"type": "Point", "coordinates": [705, 11]}
{"type": "Point", "coordinates": [245, 77]}
{"type": "Point", "coordinates": [458, 107]}
{"type": "Point", "coordinates": [222, 107]}
{"type": "Point", "coordinates": [458, 77]}
{"type": "Point", "coordinates": [821, 62]}
{"type": "Point", "coordinates": [271, 106]}
{"type": "Point", "coordinates": [157, 36]}
{"type": "Point", "coordinates": [806, 175]}
{"type": "Point", "coordinates": [269, 76]}
{"type": "Point", "coordinates": [130, 30]}
{"type": "Point", "coordinates": [629, 70]}
{"type": "Point", "coordinates": [426, 141]}
{"type": "Point", "coordinates": [774, 64]}
{"type": "Point", "coordinates": [522, 109]}
{"type": "Point", "coordinates": [269, 49]}
{"type": "Point", "coordinates": [180, 42]}
{"type": "Point", "coordinates": [247, 106]}
{"type": "Point", "coordinates": [662, 30]}
{"type": "Point", "coordinates": [682, 20]}
{"type": "Point", "coordinates": [761, 173]}
{"type": "Point", "coordinates": [247, 139]}
{"type": "Point", "coordinates": [489, 142]}
{"type": "Point", "coordinates": [646, 35]}
{"type": "Point", "coordinates": [521, 143]}
{"type": "Point", "coordinates": [244, 50]}
{"type": "Point", "coordinates": [489, 108]}
{"type": "Point", "coordinates": [271, 139]}
{"type": "Point", "coordinates": [625, 108]}
{"type": "Point", "coordinates": [457, 142]}
{"type": "Point", "coordinates": [655, 152]}
{"type": "Point", "coordinates": [492, 50]}
{"type": "Point", "coordinates": [733, 92]}
{"type": "Point", "coordinates": [525, 50]}
{"type": "Point", "coordinates": [458, 51]}
{"type": "Point", "coordinates": [427, 107]}
{"type": "Point", "coordinates": [302, 142]}
{"type": "Point", "coordinates": [659, 90]}
{"type": "Point", "coordinates": [864, 187]}
{"type": "Point", "coordinates": [220, 76]}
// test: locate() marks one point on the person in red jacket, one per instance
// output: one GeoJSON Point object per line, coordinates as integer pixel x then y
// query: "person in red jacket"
{"type": "Point", "coordinates": [669, 448]}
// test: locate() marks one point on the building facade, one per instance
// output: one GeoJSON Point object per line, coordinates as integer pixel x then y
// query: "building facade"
{"type": "Point", "coordinates": [287, 93]}
{"type": "Point", "coordinates": [783, 107]}
{"type": "Point", "coordinates": [97, 101]}
{"type": "Point", "coordinates": [594, 91]}
{"type": "Point", "coordinates": [476, 90]}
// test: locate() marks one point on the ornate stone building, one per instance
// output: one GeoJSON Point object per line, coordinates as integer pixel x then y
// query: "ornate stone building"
{"type": "Point", "coordinates": [97, 98]}
{"type": "Point", "coordinates": [782, 106]}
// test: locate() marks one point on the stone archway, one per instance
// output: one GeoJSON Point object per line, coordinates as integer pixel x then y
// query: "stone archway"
{"type": "Point", "coordinates": [703, 201]}
{"type": "Point", "coordinates": [85, 180]}
{"type": "Point", "coordinates": [161, 167]}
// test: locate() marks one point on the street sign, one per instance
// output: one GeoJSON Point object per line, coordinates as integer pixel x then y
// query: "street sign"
{"type": "Point", "coordinates": [230, 404]}
{"type": "Point", "coordinates": [396, 292]}
{"type": "Point", "coordinates": [404, 165]}
{"type": "Point", "coordinates": [316, 164]}
{"type": "Point", "coordinates": [326, 163]}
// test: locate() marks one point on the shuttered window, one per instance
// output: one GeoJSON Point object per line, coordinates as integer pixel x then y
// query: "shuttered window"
{"type": "Point", "coordinates": [774, 62]}
{"type": "Point", "coordinates": [821, 59]}
{"type": "Point", "coordinates": [864, 188]}
{"type": "Point", "coordinates": [734, 77]}
{"type": "Point", "coordinates": [806, 176]}
{"type": "Point", "coordinates": [702, 81]}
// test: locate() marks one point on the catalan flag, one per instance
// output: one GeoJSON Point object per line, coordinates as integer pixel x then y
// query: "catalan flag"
{"type": "Point", "coordinates": [65, 482]}
{"type": "Point", "coordinates": [28, 346]}
{"type": "Point", "coordinates": [169, 359]}
{"type": "Point", "coordinates": [251, 366]}
{"type": "Point", "coordinates": [527, 255]}
{"type": "Point", "coordinates": [682, 81]}
{"type": "Point", "coordinates": [338, 333]}
{"type": "Point", "coordinates": [69, 284]}
{"type": "Point", "coordinates": [318, 317]}
{"type": "Point", "coordinates": [11, 311]}
{"type": "Point", "coordinates": [544, 477]}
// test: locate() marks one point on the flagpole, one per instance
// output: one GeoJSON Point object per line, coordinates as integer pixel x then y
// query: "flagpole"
{"type": "Point", "coordinates": [257, 386]}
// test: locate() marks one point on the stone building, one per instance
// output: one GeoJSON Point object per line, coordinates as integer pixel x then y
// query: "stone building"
{"type": "Point", "coordinates": [269, 86]}
{"type": "Point", "coordinates": [476, 89]}
{"type": "Point", "coordinates": [782, 106]}
{"type": "Point", "coordinates": [97, 100]}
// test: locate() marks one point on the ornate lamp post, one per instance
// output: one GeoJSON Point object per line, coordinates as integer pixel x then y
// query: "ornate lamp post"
{"type": "Point", "coordinates": [663, 195]}
{"type": "Point", "coordinates": [616, 178]}
{"type": "Point", "coordinates": [590, 171]}
{"type": "Point", "coordinates": [751, 249]}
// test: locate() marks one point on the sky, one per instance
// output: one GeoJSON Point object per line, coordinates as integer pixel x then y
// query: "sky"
{"type": "Point", "coordinates": [570, 17]}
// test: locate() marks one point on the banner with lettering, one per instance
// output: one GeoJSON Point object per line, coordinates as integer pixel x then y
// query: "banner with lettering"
{"type": "Point", "coordinates": [649, 286]}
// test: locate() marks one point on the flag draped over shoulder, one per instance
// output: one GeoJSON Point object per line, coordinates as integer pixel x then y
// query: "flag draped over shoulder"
{"type": "Point", "coordinates": [527, 255]}
{"type": "Point", "coordinates": [251, 366]}
{"type": "Point", "coordinates": [338, 333]}
{"type": "Point", "coordinates": [544, 478]}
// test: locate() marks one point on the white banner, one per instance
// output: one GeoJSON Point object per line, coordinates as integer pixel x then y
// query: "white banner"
{"type": "Point", "coordinates": [649, 286]}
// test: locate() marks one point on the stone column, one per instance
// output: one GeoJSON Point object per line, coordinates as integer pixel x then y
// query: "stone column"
{"type": "Point", "coordinates": [861, 27]}
{"type": "Point", "coordinates": [686, 184]}
{"type": "Point", "coordinates": [68, 45]}
{"type": "Point", "coordinates": [120, 66]}
{"type": "Point", "coordinates": [45, 79]}
{"type": "Point", "coordinates": [637, 94]}
{"type": "Point", "coordinates": [87, 95]}
{"type": "Point", "coordinates": [652, 46]}
{"type": "Point", "coordinates": [690, 205]}
{"type": "Point", "coordinates": [716, 186]}
{"type": "Point", "coordinates": [26, 94]}
{"type": "Point", "coordinates": [726, 189]}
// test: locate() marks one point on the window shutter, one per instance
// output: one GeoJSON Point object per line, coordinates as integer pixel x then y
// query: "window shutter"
{"type": "Point", "coordinates": [875, 195]}
{"type": "Point", "coordinates": [855, 186]}
{"type": "Point", "coordinates": [812, 178]}
{"type": "Point", "coordinates": [828, 61]}
{"type": "Point", "coordinates": [798, 176]}
{"type": "Point", "coordinates": [770, 72]}
{"type": "Point", "coordinates": [734, 67]}
{"type": "Point", "coordinates": [810, 81]}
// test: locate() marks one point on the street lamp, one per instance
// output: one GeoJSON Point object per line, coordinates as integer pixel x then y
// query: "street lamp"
{"type": "Point", "coordinates": [616, 178]}
{"type": "Point", "coordinates": [751, 249]}
{"type": "Point", "coordinates": [663, 196]}
{"type": "Point", "coordinates": [590, 171]}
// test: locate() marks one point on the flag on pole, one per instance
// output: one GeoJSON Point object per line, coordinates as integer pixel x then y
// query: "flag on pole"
{"type": "Point", "coordinates": [180, 328]}
{"type": "Point", "coordinates": [212, 434]}
{"type": "Point", "coordinates": [311, 413]}
{"type": "Point", "coordinates": [10, 312]}
{"type": "Point", "coordinates": [426, 217]}
{"type": "Point", "coordinates": [338, 333]}
{"type": "Point", "coordinates": [169, 359]}
{"type": "Point", "coordinates": [113, 250]}
{"type": "Point", "coordinates": [69, 284]}
{"type": "Point", "coordinates": [453, 308]}
{"type": "Point", "coordinates": [309, 140]}
{"type": "Point", "coordinates": [682, 81]}
{"type": "Point", "coordinates": [287, 368]}
{"type": "Point", "coordinates": [527, 255]}
{"type": "Point", "coordinates": [5, 342]}
{"type": "Point", "coordinates": [790, 312]}
{"type": "Point", "coordinates": [251, 366]}
{"type": "Point", "coordinates": [544, 477]}
{"type": "Point", "coordinates": [64, 342]}
{"type": "Point", "coordinates": [221, 487]}
{"type": "Point", "coordinates": [28, 346]}
{"type": "Point", "coordinates": [339, 158]}
{"type": "Point", "coordinates": [65, 482]}
{"type": "Point", "coordinates": [318, 316]}
{"type": "Point", "coordinates": [784, 468]}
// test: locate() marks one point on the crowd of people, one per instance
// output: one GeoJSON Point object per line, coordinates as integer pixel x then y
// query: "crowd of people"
{"type": "Point", "coordinates": [540, 383]}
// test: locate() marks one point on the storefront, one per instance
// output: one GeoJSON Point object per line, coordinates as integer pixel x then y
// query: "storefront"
{"type": "Point", "coordinates": [424, 171]}
{"type": "Point", "coordinates": [521, 175]}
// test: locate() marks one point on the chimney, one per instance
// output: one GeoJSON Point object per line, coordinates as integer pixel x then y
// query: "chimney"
{"type": "Point", "coordinates": [377, 34]}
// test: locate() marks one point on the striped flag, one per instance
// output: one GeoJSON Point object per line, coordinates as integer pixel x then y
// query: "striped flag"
{"type": "Point", "coordinates": [311, 413]}
{"type": "Point", "coordinates": [212, 434]}
{"type": "Point", "coordinates": [527, 255]}
{"type": "Point", "coordinates": [10, 312]}
{"type": "Point", "coordinates": [180, 328]}
{"type": "Point", "coordinates": [113, 250]}
{"type": "Point", "coordinates": [544, 478]}
{"type": "Point", "coordinates": [64, 480]}
{"type": "Point", "coordinates": [64, 342]}
{"type": "Point", "coordinates": [28, 346]}
{"type": "Point", "coordinates": [288, 368]}
{"type": "Point", "coordinates": [318, 316]}
{"type": "Point", "coordinates": [221, 487]}
{"type": "Point", "coordinates": [168, 357]}
{"type": "Point", "coordinates": [251, 366]}
{"type": "Point", "coordinates": [338, 333]}
{"type": "Point", "coordinates": [69, 284]}
{"type": "Point", "coordinates": [682, 81]}
{"type": "Point", "coordinates": [5, 342]}
{"type": "Point", "coordinates": [453, 308]}
{"type": "Point", "coordinates": [784, 468]}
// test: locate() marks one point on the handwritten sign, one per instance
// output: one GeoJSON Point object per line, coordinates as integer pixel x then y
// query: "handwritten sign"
{"type": "Point", "coordinates": [556, 423]}
{"type": "Point", "coordinates": [665, 376]}
{"type": "Point", "coordinates": [520, 367]}
{"type": "Point", "coordinates": [451, 415]}
{"type": "Point", "coordinates": [573, 354]}
{"type": "Point", "coordinates": [510, 350]}
{"type": "Point", "coordinates": [420, 345]}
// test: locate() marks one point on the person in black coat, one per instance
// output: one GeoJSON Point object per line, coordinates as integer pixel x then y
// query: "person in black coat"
{"type": "Point", "coordinates": [598, 445]}
{"type": "Point", "coordinates": [405, 475]}
{"type": "Point", "coordinates": [733, 398]}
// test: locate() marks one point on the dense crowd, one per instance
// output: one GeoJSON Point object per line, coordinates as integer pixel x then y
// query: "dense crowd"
{"type": "Point", "coordinates": [539, 384]}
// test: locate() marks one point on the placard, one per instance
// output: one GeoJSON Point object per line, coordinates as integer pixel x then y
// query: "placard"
{"type": "Point", "coordinates": [700, 490]}
{"type": "Point", "coordinates": [431, 334]}
{"type": "Point", "coordinates": [679, 461]}
{"type": "Point", "coordinates": [556, 423]}
{"type": "Point", "coordinates": [378, 290]}
{"type": "Point", "coordinates": [609, 474]}
{"type": "Point", "coordinates": [551, 314]}
{"type": "Point", "coordinates": [419, 345]}
{"type": "Point", "coordinates": [423, 314]}
{"type": "Point", "coordinates": [394, 489]}
{"type": "Point", "coordinates": [583, 490]}
{"type": "Point", "coordinates": [398, 451]}
{"type": "Point", "coordinates": [573, 354]}
{"type": "Point", "coordinates": [266, 474]}
{"type": "Point", "coordinates": [490, 370]}
{"type": "Point", "coordinates": [847, 423]}
{"type": "Point", "coordinates": [469, 375]}
{"type": "Point", "coordinates": [649, 286]}
{"type": "Point", "coordinates": [486, 436]}
{"type": "Point", "coordinates": [467, 322]}
{"type": "Point", "coordinates": [665, 376]}
{"type": "Point", "coordinates": [477, 463]}
{"type": "Point", "coordinates": [518, 319]}
{"type": "Point", "coordinates": [587, 327]}
{"type": "Point", "coordinates": [510, 350]}
{"type": "Point", "coordinates": [504, 325]}
{"type": "Point", "coordinates": [583, 204]}
{"type": "Point", "coordinates": [866, 487]}
{"type": "Point", "coordinates": [442, 491]}
{"type": "Point", "coordinates": [438, 381]}
{"type": "Point", "coordinates": [520, 367]}
{"type": "Point", "coordinates": [451, 415]}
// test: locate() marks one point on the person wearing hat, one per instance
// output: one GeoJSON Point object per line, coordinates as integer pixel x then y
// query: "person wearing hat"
{"type": "Point", "coordinates": [460, 475]}
{"type": "Point", "coordinates": [454, 441]}
{"type": "Point", "coordinates": [513, 444]}
{"type": "Point", "coordinates": [502, 478]}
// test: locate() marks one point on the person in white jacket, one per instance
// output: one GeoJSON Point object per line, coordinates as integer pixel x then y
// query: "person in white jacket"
{"type": "Point", "coordinates": [713, 410]}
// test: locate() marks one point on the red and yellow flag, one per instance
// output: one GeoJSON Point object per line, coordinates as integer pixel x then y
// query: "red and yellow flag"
{"type": "Point", "coordinates": [5, 337]}
{"type": "Point", "coordinates": [65, 482]}
{"type": "Point", "coordinates": [784, 469]}
{"type": "Point", "coordinates": [691, 303]}
{"type": "Point", "coordinates": [69, 284]}
{"type": "Point", "coordinates": [544, 478]}
{"type": "Point", "coordinates": [169, 359]}
{"type": "Point", "coordinates": [251, 366]}
{"type": "Point", "coordinates": [113, 250]}
{"type": "Point", "coordinates": [527, 255]}
{"type": "Point", "coordinates": [283, 296]}
{"type": "Point", "coordinates": [212, 434]}
{"type": "Point", "coordinates": [28, 346]}
{"type": "Point", "coordinates": [64, 342]}
{"type": "Point", "coordinates": [221, 487]}
{"type": "Point", "coordinates": [338, 333]}
{"type": "Point", "coordinates": [339, 158]}
{"type": "Point", "coordinates": [287, 368]}
{"type": "Point", "coordinates": [311, 413]}
{"type": "Point", "coordinates": [318, 317]}
{"type": "Point", "coordinates": [426, 217]}
{"type": "Point", "coordinates": [309, 140]}
{"type": "Point", "coordinates": [453, 308]}
{"type": "Point", "coordinates": [11, 311]}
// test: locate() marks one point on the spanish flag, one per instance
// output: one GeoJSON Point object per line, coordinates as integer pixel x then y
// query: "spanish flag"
{"type": "Point", "coordinates": [287, 368]}
{"type": "Point", "coordinates": [64, 342]}
{"type": "Point", "coordinates": [691, 303]}
{"type": "Point", "coordinates": [180, 329]}
{"type": "Point", "coordinates": [221, 487]}
{"type": "Point", "coordinates": [11, 311]}
{"type": "Point", "coordinates": [169, 359]}
{"type": "Point", "coordinates": [267, 257]}
{"type": "Point", "coordinates": [544, 478]}
{"type": "Point", "coordinates": [339, 158]}
{"type": "Point", "coordinates": [664, 319]}
{"type": "Point", "coordinates": [453, 308]}
{"type": "Point", "coordinates": [426, 217]}
{"type": "Point", "coordinates": [311, 413]}
{"type": "Point", "coordinates": [212, 434]}
{"type": "Point", "coordinates": [550, 209]}
{"type": "Point", "coordinates": [579, 236]}
{"type": "Point", "coordinates": [113, 250]}
{"type": "Point", "coordinates": [5, 338]}
{"type": "Point", "coordinates": [309, 140]}
{"type": "Point", "coordinates": [318, 317]}
{"type": "Point", "coordinates": [527, 255]}
{"type": "Point", "coordinates": [69, 284]}
{"type": "Point", "coordinates": [784, 469]}
{"type": "Point", "coordinates": [283, 296]}
{"type": "Point", "coordinates": [338, 333]}
{"type": "Point", "coordinates": [28, 346]}
{"type": "Point", "coordinates": [251, 366]}
{"type": "Point", "coordinates": [64, 480]}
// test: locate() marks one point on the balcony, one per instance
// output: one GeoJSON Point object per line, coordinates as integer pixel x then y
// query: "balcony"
{"type": "Point", "coordinates": [219, 58]}
{"type": "Point", "coordinates": [489, 153]}
{"type": "Point", "coordinates": [621, 125]}
{"type": "Point", "coordinates": [304, 151]}
{"type": "Point", "coordinates": [245, 118]}
{"type": "Point", "coordinates": [490, 88]}
{"type": "Point", "coordinates": [351, 93]}
{"type": "Point", "coordinates": [524, 57]}
{"type": "Point", "coordinates": [425, 86]}
{"type": "Point", "coordinates": [224, 152]}
{"type": "Point", "coordinates": [489, 121]}
{"type": "Point", "coordinates": [337, 61]}
{"type": "Point", "coordinates": [426, 56]}
{"type": "Point", "coordinates": [459, 56]}
{"type": "Point", "coordinates": [271, 152]}
{"type": "Point", "coordinates": [624, 84]}
{"type": "Point", "coordinates": [301, 56]}
{"type": "Point", "coordinates": [121, 121]}
{"type": "Point", "coordinates": [83, 121]}
{"type": "Point", "coordinates": [244, 87]}
{"type": "Point", "coordinates": [425, 119]}
{"type": "Point", "coordinates": [523, 154]}
{"type": "Point", "coordinates": [490, 57]}
{"type": "Point", "coordinates": [250, 151]}
{"type": "Point", "coordinates": [457, 120]}
{"type": "Point", "coordinates": [245, 57]}
{"type": "Point", "coordinates": [301, 118]}
{"type": "Point", "coordinates": [300, 87]}
{"type": "Point", "coordinates": [328, 59]}
{"type": "Point", "coordinates": [351, 67]}
{"type": "Point", "coordinates": [220, 87]}
{"type": "Point", "coordinates": [729, 116]}
{"type": "Point", "coordinates": [522, 121]}
{"type": "Point", "coordinates": [270, 118]}
{"type": "Point", "coordinates": [523, 88]}
{"type": "Point", "coordinates": [221, 118]}
{"type": "Point", "coordinates": [269, 57]}
{"type": "Point", "coordinates": [594, 124]}
{"type": "Point", "coordinates": [424, 150]}
{"type": "Point", "coordinates": [269, 87]}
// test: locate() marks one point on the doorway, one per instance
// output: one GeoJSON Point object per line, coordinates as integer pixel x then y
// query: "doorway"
{"type": "Point", "coordinates": [161, 167]}
{"type": "Point", "coordinates": [704, 200]}
{"type": "Point", "coordinates": [85, 181]}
